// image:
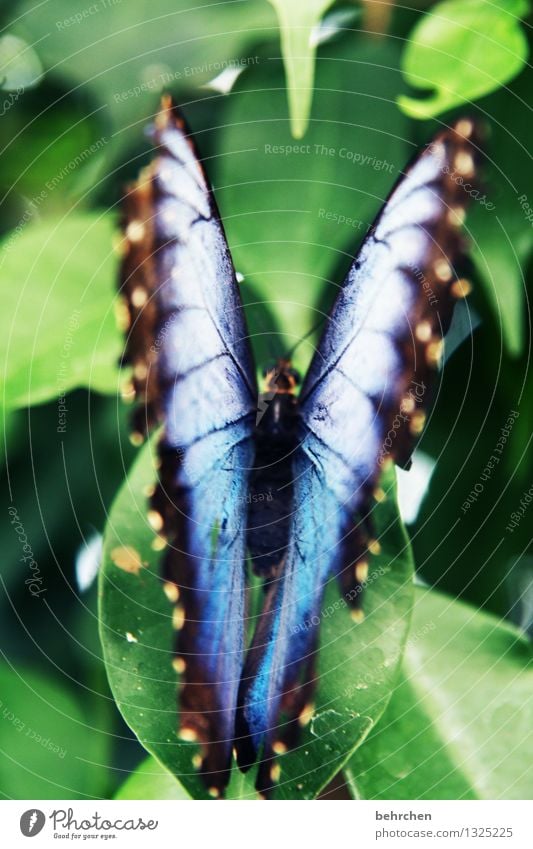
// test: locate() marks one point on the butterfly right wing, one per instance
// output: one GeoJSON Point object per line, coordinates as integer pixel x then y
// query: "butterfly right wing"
{"type": "Point", "coordinates": [372, 366]}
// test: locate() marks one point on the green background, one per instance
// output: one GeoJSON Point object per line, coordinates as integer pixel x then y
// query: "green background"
{"type": "Point", "coordinates": [430, 707]}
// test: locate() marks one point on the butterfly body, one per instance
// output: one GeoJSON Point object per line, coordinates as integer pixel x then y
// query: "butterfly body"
{"type": "Point", "coordinates": [285, 478]}
{"type": "Point", "coordinates": [271, 480]}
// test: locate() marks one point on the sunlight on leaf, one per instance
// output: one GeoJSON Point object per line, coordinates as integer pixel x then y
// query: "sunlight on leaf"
{"type": "Point", "coordinates": [463, 49]}
{"type": "Point", "coordinates": [297, 20]}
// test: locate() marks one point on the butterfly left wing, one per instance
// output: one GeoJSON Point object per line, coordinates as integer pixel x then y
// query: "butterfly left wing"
{"type": "Point", "coordinates": [193, 372]}
{"type": "Point", "coordinates": [361, 403]}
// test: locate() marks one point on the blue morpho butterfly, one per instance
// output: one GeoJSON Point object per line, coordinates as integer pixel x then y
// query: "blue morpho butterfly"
{"type": "Point", "coordinates": [314, 457]}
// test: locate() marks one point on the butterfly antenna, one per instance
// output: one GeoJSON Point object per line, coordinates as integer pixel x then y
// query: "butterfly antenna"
{"type": "Point", "coordinates": [309, 333]}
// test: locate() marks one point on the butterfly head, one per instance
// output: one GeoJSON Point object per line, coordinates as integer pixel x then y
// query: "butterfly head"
{"type": "Point", "coordinates": [281, 378]}
{"type": "Point", "coordinates": [277, 403]}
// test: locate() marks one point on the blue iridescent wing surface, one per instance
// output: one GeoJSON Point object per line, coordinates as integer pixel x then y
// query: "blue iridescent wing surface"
{"type": "Point", "coordinates": [361, 403]}
{"type": "Point", "coordinates": [192, 371]}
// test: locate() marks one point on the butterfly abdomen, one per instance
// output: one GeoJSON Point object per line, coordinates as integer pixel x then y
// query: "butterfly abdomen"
{"type": "Point", "coordinates": [270, 497]}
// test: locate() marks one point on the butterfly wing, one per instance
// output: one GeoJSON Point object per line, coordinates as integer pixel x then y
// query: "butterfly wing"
{"type": "Point", "coordinates": [193, 372]}
{"type": "Point", "coordinates": [362, 402]}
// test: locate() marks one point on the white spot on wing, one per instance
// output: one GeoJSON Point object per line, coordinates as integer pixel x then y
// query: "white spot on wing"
{"type": "Point", "coordinates": [179, 147]}
{"type": "Point", "coordinates": [423, 207]}
{"type": "Point", "coordinates": [191, 340]}
{"type": "Point", "coordinates": [177, 182]}
{"type": "Point", "coordinates": [345, 419]}
{"type": "Point", "coordinates": [409, 246]}
{"type": "Point", "coordinates": [375, 363]}
{"type": "Point", "coordinates": [426, 170]}
{"type": "Point", "coordinates": [204, 401]}
{"type": "Point", "coordinates": [387, 307]}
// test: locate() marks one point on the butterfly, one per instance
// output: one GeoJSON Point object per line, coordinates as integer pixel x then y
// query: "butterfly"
{"type": "Point", "coordinates": [274, 481]}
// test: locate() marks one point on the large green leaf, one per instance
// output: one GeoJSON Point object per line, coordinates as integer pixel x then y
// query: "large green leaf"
{"type": "Point", "coordinates": [295, 212]}
{"type": "Point", "coordinates": [358, 663]}
{"type": "Point", "coordinates": [50, 747]}
{"type": "Point", "coordinates": [463, 49]}
{"type": "Point", "coordinates": [297, 19]}
{"type": "Point", "coordinates": [459, 724]}
{"type": "Point", "coordinates": [58, 327]}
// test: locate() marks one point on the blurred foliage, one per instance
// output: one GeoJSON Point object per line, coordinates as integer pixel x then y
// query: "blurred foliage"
{"type": "Point", "coordinates": [295, 212]}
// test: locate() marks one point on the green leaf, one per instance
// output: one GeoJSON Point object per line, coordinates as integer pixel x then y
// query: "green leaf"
{"type": "Point", "coordinates": [50, 747]}
{"type": "Point", "coordinates": [297, 19]}
{"type": "Point", "coordinates": [20, 67]}
{"type": "Point", "coordinates": [358, 663]}
{"type": "Point", "coordinates": [459, 725]}
{"type": "Point", "coordinates": [151, 781]}
{"type": "Point", "coordinates": [295, 212]}
{"type": "Point", "coordinates": [463, 49]}
{"type": "Point", "coordinates": [58, 328]}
